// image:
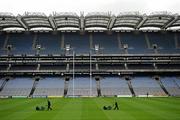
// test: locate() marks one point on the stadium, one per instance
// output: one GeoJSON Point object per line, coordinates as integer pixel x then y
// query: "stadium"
{"type": "Point", "coordinates": [84, 62]}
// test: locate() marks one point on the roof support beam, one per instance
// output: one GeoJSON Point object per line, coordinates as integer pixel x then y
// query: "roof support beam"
{"type": "Point", "coordinates": [21, 22]}
{"type": "Point", "coordinates": [82, 21]}
{"type": "Point", "coordinates": [171, 22]}
{"type": "Point", "coordinates": [53, 25]}
{"type": "Point", "coordinates": [141, 23]}
{"type": "Point", "coordinates": [111, 22]}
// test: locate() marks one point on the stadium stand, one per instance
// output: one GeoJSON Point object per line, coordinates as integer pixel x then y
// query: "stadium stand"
{"type": "Point", "coordinates": [144, 85]}
{"type": "Point", "coordinates": [21, 44]}
{"type": "Point", "coordinates": [50, 44]}
{"type": "Point", "coordinates": [2, 41]}
{"type": "Point", "coordinates": [177, 80]}
{"type": "Point", "coordinates": [111, 86]}
{"type": "Point", "coordinates": [83, 86]}
{"type": "Point", "coordinates": [1, 82]}
{"type": "Point", "coordinates": [50, 86]}
{"type": "Point", "coordinates": [165, 42]}
{"type": "Point", "coordinates": [79, 43]}
{"type": "Point", "coordinates": [103, 50]}
{"type": "Point", "coordinates": [3, 67]}
{"type": "Point", "coordinates": [105, 42]}
{"type": "Point", "coordinates": [82, 44]}
{"type": "Point", "coordinates": [171, 85]}
{"type": "Point", "coordinates": [17, 87]}
{"type": "Point", "coordinates": [131, 40]}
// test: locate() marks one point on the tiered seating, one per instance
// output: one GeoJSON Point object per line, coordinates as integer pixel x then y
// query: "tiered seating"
{"type": "Point", "coordinates": [171, 86]}
{"type": "Point", "coordinates": [108, 43]}
{"type": "Point", "coordinates": [136, 42]}
{"type": "Point", "coordinates": [50, 86]}
{"type": "Point", "coordinates": [50, 44]}
{"type": "Point", "coordinates": [3, 67]}
{"type": "Point", "coordinates": [79, 43]}
{"type": "Point", "coordinates": [2, 40]}
{"type": "Point", "coordinates": [177, 81]}
{"type": "Point", "coordinates": [178, 41]}
{"type": "Point", "coordinates": [144, 85]}
{"type": "Point", "coordinates": [21, 43]}
{"type": "Point", "coordinates": [165, 42]}
{"type": "Point", "coordinates": [17, 87]}
{"type": "Point", "coordinates": [82, 87]}
{"type": "Point", "coordinates": [1, 82]}
{"type": "Point", "coordinates": [111, 86]}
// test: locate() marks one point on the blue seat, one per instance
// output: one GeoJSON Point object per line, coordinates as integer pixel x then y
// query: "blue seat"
{"type": "Point", "coordinates": [21, 43]}
{"type": "Point", "coordinates": [108, 43]}
{"type": "Point", "coordinates": [136, 43]}
{"type": "Point", "coordinates": [50, 43]}
{"type": "Point", "coordinates": [2, 40]}
{"type": "Point", "coordinates": [80, 43]}
{"type": "Point", "coordinates": [164, 41]}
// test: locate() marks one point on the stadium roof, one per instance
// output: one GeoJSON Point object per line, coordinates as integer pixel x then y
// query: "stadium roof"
{"type": "Point", "coordinates": [106, 21]}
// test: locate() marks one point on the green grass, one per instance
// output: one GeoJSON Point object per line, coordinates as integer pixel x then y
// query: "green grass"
{"type": "Point", "coordinates": [91, 109]}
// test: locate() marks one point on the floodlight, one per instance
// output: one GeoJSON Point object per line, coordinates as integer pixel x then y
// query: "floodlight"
{"type": "Point", "coordinates": [68, 47]}
{"type": "Point", "coordinates": [96, 48]}
{"type": "Point", "coordinates": [38, 47]}
{"type": "Point", "coordinates": [125, 46]}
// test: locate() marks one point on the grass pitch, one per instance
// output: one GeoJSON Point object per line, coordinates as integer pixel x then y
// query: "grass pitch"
{"type": "Point", "coordinates": [91, 109]}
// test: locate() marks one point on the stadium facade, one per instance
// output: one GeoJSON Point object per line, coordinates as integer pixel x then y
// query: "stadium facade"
{"type": "Point", "coordinates": [94, 55]}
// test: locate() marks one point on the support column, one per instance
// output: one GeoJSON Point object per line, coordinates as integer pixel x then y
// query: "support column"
{"type": "Point", "coordinates": [4, 83]}
{"type": "Point", "coordinates": [176, 41]}
{"type": "Point", "coordinates": [98, 86]}
{"type": "Point", "coordinates": [36, 80]}
{"type": "Point", "coordinates": [161, 85]}
{"type": "Point", "coordinates": [147, 41]}
{"type": "Point", "coordinates": [91, 41]}
{"type": "Point", "coordinates": [62, 41]}
{"type": "Point", "coordinates": [66, 84]}
{"type": "Point", "coordinates": [120, 44]}
{"type": "Point", "coordinates": [128, 79]}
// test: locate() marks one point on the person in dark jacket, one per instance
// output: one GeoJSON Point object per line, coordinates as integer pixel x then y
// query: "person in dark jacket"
{"type": "Point", "coordinates": [116, 106]}
{"type": "Point", "coordinates": [49, 105]}
{"type": "Point", "coordinates": [147, 94]}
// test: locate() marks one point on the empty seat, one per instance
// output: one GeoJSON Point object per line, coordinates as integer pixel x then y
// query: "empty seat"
{"type": "Point", "coordinates": [108, 44]}
{"type": "Point", "coordinates": [165, 42]}
{"type": "Point", "coordinates": [2, 41]}
{"type": "Point", "coordinates": [83, 86]}
{"type": "Point", "coordinates": [79, 43]}
{"type": "Point", "coordinates": [144, 85]}
{"type": "Point", "coordinates": [50, 43]}
{"type": "Point", "coordinates": [50, 86]}
{"type": "Point", "coordinates": [136, 43]}
{"type": "Point", "coordinates": [111, 86]}
{"type": "Point", "coordinates": [17, 87]}
{"type": "Point", "coordinates": [21, 44]}
{"type": "Point", "coordinates": [171, 85]}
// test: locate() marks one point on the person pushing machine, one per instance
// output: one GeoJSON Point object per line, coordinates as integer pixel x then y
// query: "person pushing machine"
{"type": "Point", "coordinates": [116, 106]}
{"type": "Point", "coordinates": [49, 105]}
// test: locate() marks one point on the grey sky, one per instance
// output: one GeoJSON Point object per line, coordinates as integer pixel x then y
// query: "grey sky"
{"type": "Point", "coordinates": [115, 6]}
